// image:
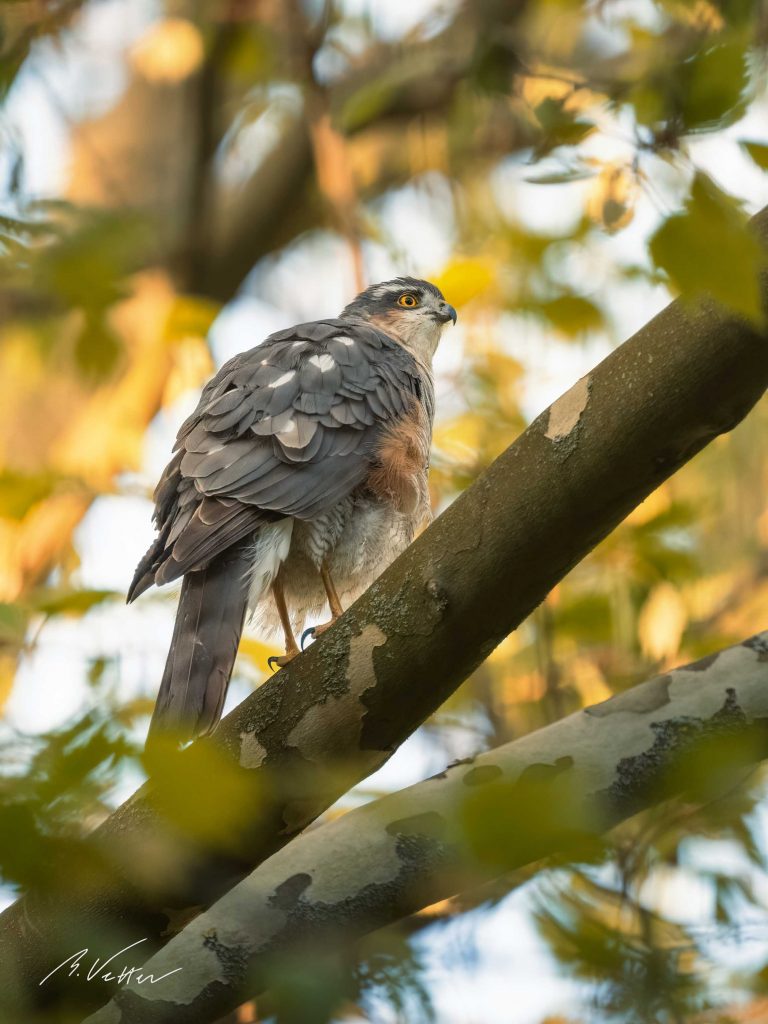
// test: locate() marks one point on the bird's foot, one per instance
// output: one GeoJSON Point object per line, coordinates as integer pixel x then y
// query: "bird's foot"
{"type": "Point", "coordinates": [316, 631]}
{"type": "Point", "coordinates": [282, 660]}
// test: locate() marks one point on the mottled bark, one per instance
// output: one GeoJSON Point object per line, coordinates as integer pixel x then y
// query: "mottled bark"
{"type": "Point", "coordinates": [341, 709]}
{"type": "Point", "coordinates": [396, 855]}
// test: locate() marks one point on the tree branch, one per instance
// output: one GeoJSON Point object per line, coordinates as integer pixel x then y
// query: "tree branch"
{"type": "Point", "coordinates": [340, 710]}
{"type": "Point", "coordinates": [398, 854]}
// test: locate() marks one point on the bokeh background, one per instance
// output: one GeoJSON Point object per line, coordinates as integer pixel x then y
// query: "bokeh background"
{"type": "Point", "coordinates": [181, 178]}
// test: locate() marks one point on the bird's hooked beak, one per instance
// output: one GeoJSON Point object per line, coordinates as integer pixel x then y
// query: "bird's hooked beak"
{"type": "Point", "coordinates": [446, 313]}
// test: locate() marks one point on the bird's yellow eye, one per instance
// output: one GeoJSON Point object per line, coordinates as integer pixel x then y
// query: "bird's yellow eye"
{"type": "Point", "coordinates": [408, 300]}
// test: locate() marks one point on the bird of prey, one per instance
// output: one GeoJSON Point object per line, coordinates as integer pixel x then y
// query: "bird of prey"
{"type": "Point", "coordinates": [297, 480]}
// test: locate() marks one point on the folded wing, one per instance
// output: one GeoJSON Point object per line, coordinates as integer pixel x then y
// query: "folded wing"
{"type": "Point", "coordinates": [288, 428]}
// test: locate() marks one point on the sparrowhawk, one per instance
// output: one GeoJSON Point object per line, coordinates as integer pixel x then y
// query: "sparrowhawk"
{"type": "Point", "coordinates": [299, 477]}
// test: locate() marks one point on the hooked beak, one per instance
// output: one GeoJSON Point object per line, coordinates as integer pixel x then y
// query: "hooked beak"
{"type": "Point", "coordinates": [447, 313]}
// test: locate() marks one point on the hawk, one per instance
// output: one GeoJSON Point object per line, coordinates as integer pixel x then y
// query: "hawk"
{"type": "Point", "coordinates": [299, 477]}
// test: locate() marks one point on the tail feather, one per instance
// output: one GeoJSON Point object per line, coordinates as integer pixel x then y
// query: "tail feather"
{"type": "Point", "coordinates": [206, 635]}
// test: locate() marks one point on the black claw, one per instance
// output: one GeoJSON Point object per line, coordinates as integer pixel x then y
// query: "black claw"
{"type": "Point", "coordinates": [307, 632]}
{"type": "Point", "coordinates": [274, 657]}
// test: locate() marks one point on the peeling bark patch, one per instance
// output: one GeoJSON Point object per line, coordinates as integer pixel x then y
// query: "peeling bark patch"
{"type": "Point", "coordinates": [289, 892]}
{"type": "Point", "coordinates": [341, 715]}
{"type": "Point", "coordinates": [545, 772]}
{"type": "Point", "coordinates": [565, 413]}
{"type": "Point", "coordinates": [417, 859]}
{"type": "Point", "coordinates": [252, 753]}
{"type": "Point", "coordinates": [758, 643]}
{"type": "Point", "coordinates": [361, 657]}
{"type": "Point", "coordinates": [430, 824]}
{"type": "Point", "coordinates": [643, 774]}
{"type": "Point", "coordinates": [482, 774]}
{"type": "Point", "coordinates": [640, 700]}
{"type": "Point", "coordinates": [703, 663]}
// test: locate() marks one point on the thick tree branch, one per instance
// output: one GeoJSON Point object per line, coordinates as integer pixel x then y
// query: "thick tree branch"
{"type": "Point", "coordinates": [340, 710]}
{"type": "Point", "coordinates": [392, 857]}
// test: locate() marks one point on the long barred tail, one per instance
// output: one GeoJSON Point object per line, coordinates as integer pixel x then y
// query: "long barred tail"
{"type": "Point", "coordinates": [206, 635]}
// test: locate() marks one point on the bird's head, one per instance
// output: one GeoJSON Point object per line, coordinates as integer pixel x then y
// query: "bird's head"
{"type": "Point", "coordinates": [411, 311]}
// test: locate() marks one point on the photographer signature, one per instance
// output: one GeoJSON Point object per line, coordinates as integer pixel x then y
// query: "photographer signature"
{"type": "Point", "coordinates": [98, 971]}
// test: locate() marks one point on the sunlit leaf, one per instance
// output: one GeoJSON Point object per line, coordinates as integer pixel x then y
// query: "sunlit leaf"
{"type": "Point", "coordinates": [709, 249]}
{"type": "Point", "coordinates": [169, 51]}
{"type": "Point", "coordinates": [466, 279]}
{"type": "Point", "coordinates": [97, 349]}
{"type": "Point", "coordinates": [571, 314]}
{"type": "Point", "coordinates": [20, 491]}
{"type": "Point", "coordinates": [698, 14]}
{"type": "Point", "coordinates": [71, 602]}
{"type": "Point", "coordinates": [611, 199]}
{"type": "Point", "coordinates": [257, 653]}
{"type": "Point", "coordinates": [662, 621]}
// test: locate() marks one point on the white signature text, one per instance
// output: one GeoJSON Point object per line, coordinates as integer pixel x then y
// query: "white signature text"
{"type": "Point", "coordinates": [98, 969]}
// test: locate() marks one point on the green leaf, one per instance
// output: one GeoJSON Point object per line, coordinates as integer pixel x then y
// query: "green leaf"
{"type": "Point", "coordinates": [714, 85]}
{"type": "Point", "coordinates": [71, 602]}
{"type": "Point", "coordinates": [87, 266]}
{"type": "Point", "coordinates": [13, 624]}
{"type": "Point", "coordinates": [97, 349]}
{"type": "Point", "coordinates": [19, 492]}
{"type": "Point", "coordinates": [559, 127]}
{"type": "Point", "coordinates": [493, 66]}
{"type": "Point", "coordinates": [571, 314]}
{"type": "Point", "coordinates": [709, 249]}
{"type": "Point", "coordinates": [758, 151]}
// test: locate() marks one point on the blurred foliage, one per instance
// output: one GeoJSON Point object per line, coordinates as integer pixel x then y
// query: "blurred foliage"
{"type": "Point", "coordinates": [246, 134]}
{"type": "Point", "coordinates": [53, 788]}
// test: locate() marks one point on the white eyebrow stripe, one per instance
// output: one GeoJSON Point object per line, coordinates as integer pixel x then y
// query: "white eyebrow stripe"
{"type": "Point", "coordinates": [382, 290]}
{"type": "Point", "coordinates": [324, 362]}
{"type": "Point", "coordinates": [283, 380]}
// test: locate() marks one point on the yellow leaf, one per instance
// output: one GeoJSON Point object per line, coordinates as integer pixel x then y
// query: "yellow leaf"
{"type": "Point", "coordinates": [662, 620]}
{"type": "Point", "coordinates": [192, 366]}
{"type": "Point", "coordinates": [658, 501]}
{"type": "Point", "coordinates": [701, 15]}
{"type": "Point", "coordinates": [461, 438]}
{"type": "Point", "coordinates": [190, 316]}
{"type": "Point", "coordinates": [612, 195]}
{"type": "Point", "coordinates": [507, 649]}
{"type": "Point", "coordinates": [706, 595]}
{"type": "Point", "coordinates": [169, 51]}
{"type": "Point", "coordinates": [108, 434]}
{"type": "Point", "coordinates": [256, 652]}
{"type": "Point", "coordinates": [7, 674]}
{"type": "Point", "coordinates": [585, 675]}
{"type": "Point", "coordinates": [465, 279]}
{"type": "Point", "coordinates": [546, 83]}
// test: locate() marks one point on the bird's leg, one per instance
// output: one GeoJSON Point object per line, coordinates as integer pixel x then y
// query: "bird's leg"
{"type": "Point", "coordinates": [291, 647]}
{"type": "Point", "coordinates": [333, 601]}
{"type": "Point", "coordinates": [333, 597]}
